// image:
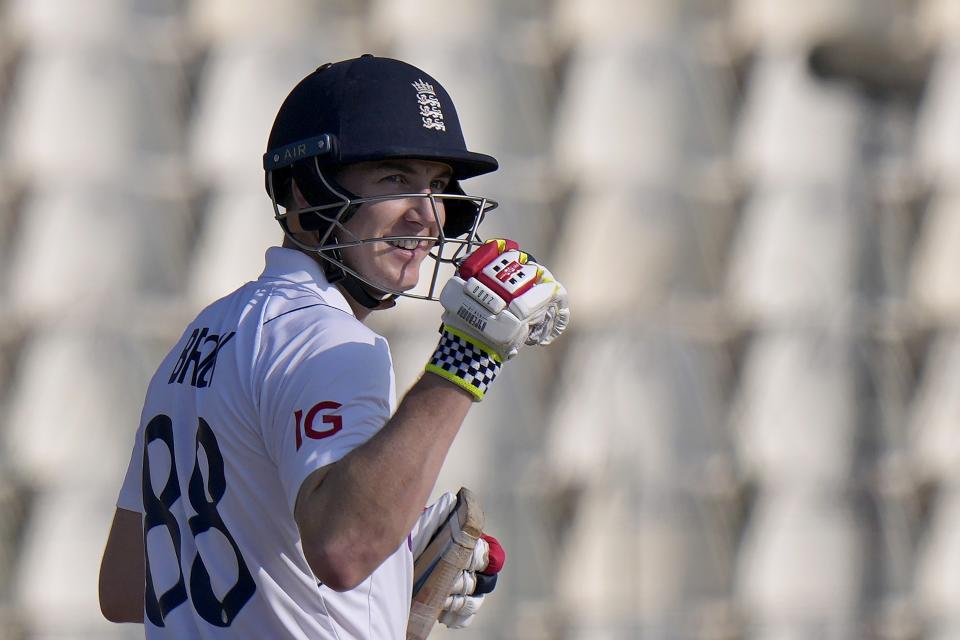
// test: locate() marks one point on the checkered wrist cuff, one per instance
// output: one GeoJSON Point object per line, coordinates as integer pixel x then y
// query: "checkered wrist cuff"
{"type": "Point", "coordinates": [464, 362]}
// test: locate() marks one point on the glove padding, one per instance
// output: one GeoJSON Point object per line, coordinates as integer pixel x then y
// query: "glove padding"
{"type": "Point", "coordinates": [431, 519]}
{"type": "Point", "coordinates": [458, 611]}
{"type": "Point", "coordinates": [472, 584]}
{"type": "Point", "coordinates": [502, 299]}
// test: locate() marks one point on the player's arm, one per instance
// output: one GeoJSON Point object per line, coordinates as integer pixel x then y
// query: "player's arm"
{"type": "Point", "coordinates": [122, 569]}
{"type": "Point", "coordinates": [354, 513]}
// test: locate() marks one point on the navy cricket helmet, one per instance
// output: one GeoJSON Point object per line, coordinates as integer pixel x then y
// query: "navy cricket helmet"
{"type": "Point", "coordinates": [368, 108]}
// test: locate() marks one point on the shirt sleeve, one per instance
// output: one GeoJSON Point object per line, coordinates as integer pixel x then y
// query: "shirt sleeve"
{"type": "Point", "coordinates": [131, 495]}
{"type": "Point", "coordinates": [321, 399]}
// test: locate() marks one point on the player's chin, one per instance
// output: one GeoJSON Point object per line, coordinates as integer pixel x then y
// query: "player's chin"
{"type": "Point", "coordinates": [407, 281]}
{"type": "Point", "coordinates": [401, 279]}
{"type": "Point", "coordinates": [406, 273]}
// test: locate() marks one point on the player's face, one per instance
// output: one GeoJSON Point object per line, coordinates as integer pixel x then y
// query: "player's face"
{"type": "Point", "coordinates": [393, 265]}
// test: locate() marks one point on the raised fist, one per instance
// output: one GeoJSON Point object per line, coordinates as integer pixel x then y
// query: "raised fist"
{"type": "Point", "coordinates": [499, 300]}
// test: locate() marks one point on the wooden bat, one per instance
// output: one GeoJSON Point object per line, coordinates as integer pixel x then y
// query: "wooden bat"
{"type": "Point", "coordinates": [448, 553]}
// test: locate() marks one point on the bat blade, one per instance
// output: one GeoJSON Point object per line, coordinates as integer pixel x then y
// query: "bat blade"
{"type": "Point", "coordinates": [448, 553]}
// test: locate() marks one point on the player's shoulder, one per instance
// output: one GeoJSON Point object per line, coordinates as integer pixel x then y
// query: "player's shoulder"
{"type": "Point", "coordinates": [312, 340]}
{"type": "Point", "coordinates": [293, 293]}
{"type": "Point", "coordinates": [293, 310]}
{"type": "Point", "coordinates": [300, 325]}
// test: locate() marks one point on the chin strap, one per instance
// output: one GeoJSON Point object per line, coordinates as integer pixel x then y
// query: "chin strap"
{"type": "Point", "coordinates": [356, 288]}
{"type": "Point", "coordinates": [362, 293]}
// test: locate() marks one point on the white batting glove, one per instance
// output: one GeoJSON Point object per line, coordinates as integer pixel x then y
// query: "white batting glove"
{"type": "Point", "coordinates": [498, 301]}
{"type": "Point", "coordinates": [429, 521]}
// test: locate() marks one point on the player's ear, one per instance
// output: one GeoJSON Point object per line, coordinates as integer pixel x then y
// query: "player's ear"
{"type": "Point", "coordinates": [294, 222]}
{"type": "Point", "coordinates": [298, 199]}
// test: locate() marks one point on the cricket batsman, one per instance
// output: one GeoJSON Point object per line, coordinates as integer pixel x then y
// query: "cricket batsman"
{"type": "Point", "coordinates": [276, 488]}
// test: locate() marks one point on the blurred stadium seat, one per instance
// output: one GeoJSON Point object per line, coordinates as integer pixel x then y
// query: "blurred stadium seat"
{"type": "Point", "coordinates": [238, 228]}
{"type": "Point", "coordinates": [87, 116]}
{"type": "Point", "coordinates": [939, 20]}
{"type": "Point", "coordinates": [934, 421]}
{"type": "Point", "coordinates": [59, 564]}
{"type": "Point", "coordinates": [637, 417]}
{"type": "Point", "coordinates": [795, 257]}
{"type": "Point", "coordinates": [635, 400]}
{"type": "Point", "coordinates": [52, 24]}
{"type": "Point", "coordinates": [225, 22]}
{"type": "Point", "coordinates": [934, 285]}
{"type": "Point", "coordinates": [639, 114]}
{"type": "Point", "coordinates": [81, 251]}
{"type": "Point", "coordinates": [74, 409]}
{"type": "Point", "coordinates": [801, 568]}
{"type": "Point", "coordinates": [796, 414]}
{"type": "Point", "coordinates": [793, 129]}
{"type": "Point", "coordinates": [632, 579]}
{"type": "Point", "coordinates": [242, 87]}
{"type": "Point", "coordinates": [401, 20]}
{"type": "Point", "coordinates": [762, 24]}
{"type": "Point", "coordinates": [938, 124]}
{"type": "Point", "coordinates": [644, 241]}
{"type": "Point", "coordinates": [938, 565]}
{"type": "Point", "coordinates": [587, 23]}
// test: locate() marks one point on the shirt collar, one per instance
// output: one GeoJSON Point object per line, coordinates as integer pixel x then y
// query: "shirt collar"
{"type": "Point", "coordinates": [299, 268]}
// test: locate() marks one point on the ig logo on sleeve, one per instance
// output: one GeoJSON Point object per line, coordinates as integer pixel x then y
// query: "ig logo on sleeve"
{"type": "Point", "coordinates": [307, 427]}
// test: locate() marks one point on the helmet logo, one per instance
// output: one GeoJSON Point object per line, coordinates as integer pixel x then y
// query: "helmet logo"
{"type": "Point", "coordinates": [429, 106]}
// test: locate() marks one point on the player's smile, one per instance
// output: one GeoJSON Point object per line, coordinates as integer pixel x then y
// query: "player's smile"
{"type": "Point", "coordinates": [409, 245]}
{"type": "Point", "coordinates": [409, 249]}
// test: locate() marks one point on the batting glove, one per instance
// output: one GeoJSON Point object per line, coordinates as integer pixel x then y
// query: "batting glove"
{"type": "Point", "coordinates": [499, 300]}
{"type": "Point", "coordinates": [429, 521]}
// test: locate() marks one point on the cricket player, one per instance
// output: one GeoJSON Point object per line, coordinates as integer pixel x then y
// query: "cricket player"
{"type": "Point", "coordinates": [276, 489]}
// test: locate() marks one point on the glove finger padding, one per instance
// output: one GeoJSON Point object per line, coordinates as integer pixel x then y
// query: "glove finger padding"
{"type": "Point", "coordinates": [552, 318]}
{"type": "Point", "coordinates": [465, 584]}
{"type": "Point", "coordinates": [481, 556]}
{"type": "Point", "coordinates": [458, 611]}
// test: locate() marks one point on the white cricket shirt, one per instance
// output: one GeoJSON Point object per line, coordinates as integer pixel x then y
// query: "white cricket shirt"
{"type": "Point", "coordinates": [267, 385]}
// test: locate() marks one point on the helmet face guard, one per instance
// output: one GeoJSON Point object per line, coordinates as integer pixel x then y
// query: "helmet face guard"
{"type": "Point", "coordinates": [329, 221]}
{"type": "Point", "coordinates": [368, 109]}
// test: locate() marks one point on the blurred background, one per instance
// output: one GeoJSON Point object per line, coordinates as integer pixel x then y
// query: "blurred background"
{"type": "Point", "coordinates": [750, 429]}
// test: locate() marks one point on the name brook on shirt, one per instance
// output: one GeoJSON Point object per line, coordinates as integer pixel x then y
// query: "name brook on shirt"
{"type": "Point", "coordinates": [199, 357]}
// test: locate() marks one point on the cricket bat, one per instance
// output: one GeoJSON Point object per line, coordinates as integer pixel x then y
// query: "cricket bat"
{"type": "Point", "coordinates": [435, 571]}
